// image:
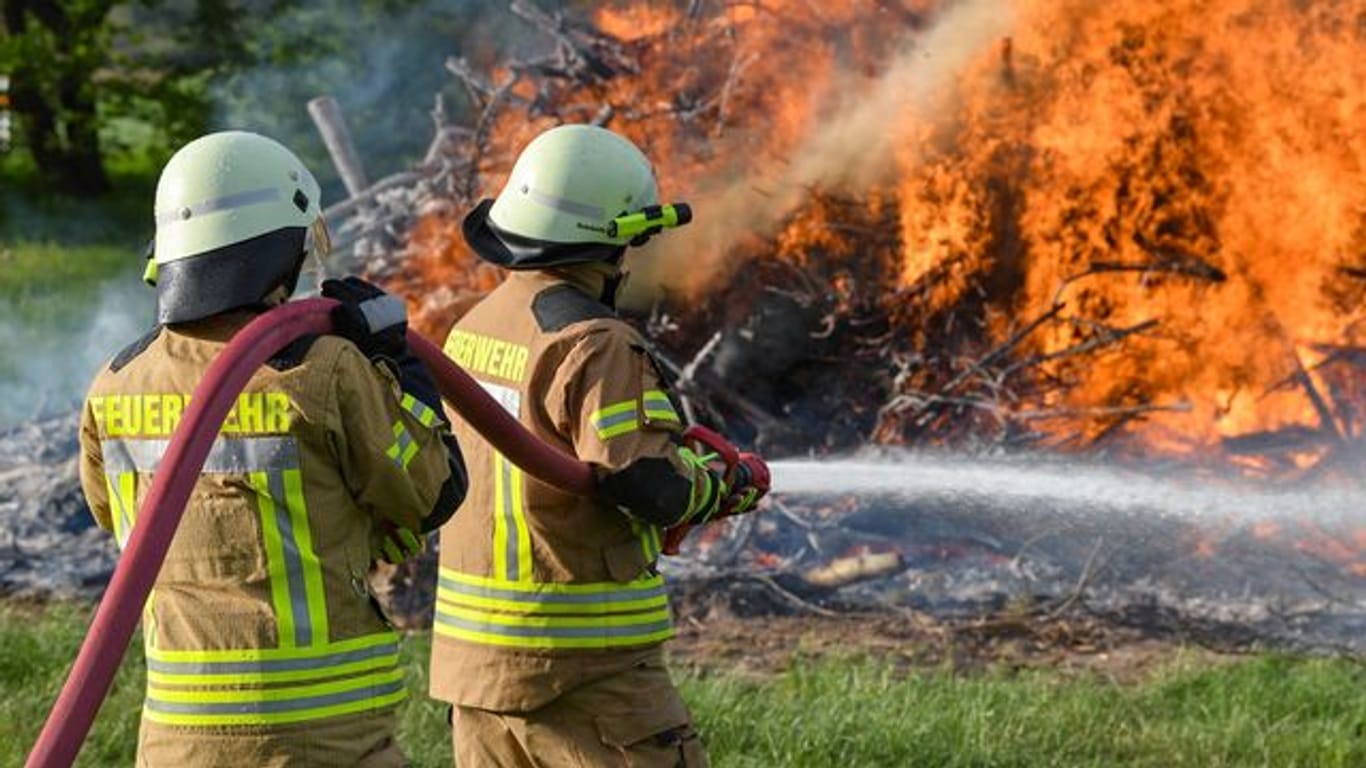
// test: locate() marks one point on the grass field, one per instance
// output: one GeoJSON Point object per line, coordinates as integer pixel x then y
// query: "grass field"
{"type": "Point", "coordinates": [1261, 711]}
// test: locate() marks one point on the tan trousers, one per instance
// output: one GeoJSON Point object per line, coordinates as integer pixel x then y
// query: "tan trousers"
{"type": "Point", "coordinates": [362, 741]}
{"type": "Point", "coordinates": [634, 718]}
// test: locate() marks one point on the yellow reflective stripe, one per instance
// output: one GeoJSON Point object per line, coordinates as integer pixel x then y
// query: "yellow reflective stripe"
{"type": "Point", "coordinates": [404, 447]}
{"type": "Point", "coordinates": [617, 419]}
{"type": "Point", "coordinates": [646, 584]}
{"type": "Point", "coordinates": [312, 569]}
{"type": "Point", "coordinates": [649, 539]}
{"type": "Point", "coordinates": [275, 558]}
{"type": "Point", "coordinates": [425, 414]}
{"type": "Point", "coordinates": [123, 499]}
{"type": "Point", "coordinates": [514, 606]}
{"type": "Point", "coordinates": [659, 407]}
{"type": "Point", "coordinates": [627, 406]}
{"type": "Point", "coordinates": [483, 633]}
{"type": "Point", "coordinates": [521, 530]}
{"type": "Point", "coordinates": [369, 703]}
{"type": "Point", "coordinates": [549, 622]}
{"type": "Point", "coordinates": [236, 655]}
{"type": "Point", "coordinates": [282, 718]}
{"type": "Point", "coordinates": [501, 521]}
{"type": "Point", "coordinates": [283, 693]}
{"type": "Point", "coordinates": [281, 676]}
{"type": "Point", "coordinates": [511, 534]}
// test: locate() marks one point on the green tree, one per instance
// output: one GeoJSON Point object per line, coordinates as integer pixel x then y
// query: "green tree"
{"type": "Point", "coordinates": [52, 50]}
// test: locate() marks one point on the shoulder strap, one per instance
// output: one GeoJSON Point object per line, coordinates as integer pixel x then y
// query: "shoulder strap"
{"type": "Point", "coordinates": [560, 306]}
{"type": "Point", "coordinates": [131, 351]}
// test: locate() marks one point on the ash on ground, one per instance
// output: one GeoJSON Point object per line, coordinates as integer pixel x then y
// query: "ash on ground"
{"type": "Point", "coordinates": [979, 553]}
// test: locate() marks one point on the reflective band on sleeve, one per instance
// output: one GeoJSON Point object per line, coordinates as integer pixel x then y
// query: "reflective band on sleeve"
{"type": "Point", "coordinates": [425, 414]}
{"type": "Point", "coordinates": [404, 447]}
{"type": "Point", "coordinates": [615, 420]}
{"type": "Point", "coordinates": [658, 407]}
{"type": "Point", "coordinates": [228, 455]}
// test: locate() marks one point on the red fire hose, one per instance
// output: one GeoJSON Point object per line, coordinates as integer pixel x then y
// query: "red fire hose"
{"type": "Point", "coordinates": [118, 613]}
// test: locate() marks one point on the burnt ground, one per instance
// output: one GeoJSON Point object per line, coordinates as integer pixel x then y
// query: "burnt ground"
{"type": "Point", "coordinates": [764, 646]}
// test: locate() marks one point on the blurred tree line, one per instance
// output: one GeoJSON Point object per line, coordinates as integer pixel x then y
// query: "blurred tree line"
{"type": "Point", "coordinates": [96, 84]}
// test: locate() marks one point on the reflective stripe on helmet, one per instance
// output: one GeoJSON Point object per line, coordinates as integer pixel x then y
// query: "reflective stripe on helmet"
{"type": "Point", "coordinates": [218, 205]}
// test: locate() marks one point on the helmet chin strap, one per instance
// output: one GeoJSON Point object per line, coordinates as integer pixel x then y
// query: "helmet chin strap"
{"type": "Point", "coordinates": [610, 286]}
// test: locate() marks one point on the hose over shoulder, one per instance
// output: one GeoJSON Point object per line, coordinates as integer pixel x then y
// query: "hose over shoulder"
{"type": "Point", "coordinates": [117, 616]}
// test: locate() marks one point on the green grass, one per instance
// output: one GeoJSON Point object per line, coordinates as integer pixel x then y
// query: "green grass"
{"type": "Point", "coordinates": [34, 272]}
{"type": "Point", "coordinates": [1263, 711]}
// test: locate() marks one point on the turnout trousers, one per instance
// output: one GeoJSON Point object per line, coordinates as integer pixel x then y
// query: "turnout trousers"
{"type": "Point", "coordinates": [633, 718]}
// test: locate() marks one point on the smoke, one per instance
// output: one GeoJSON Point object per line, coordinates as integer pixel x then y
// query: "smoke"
{"type": "Point", "coordinates": [50, 356]}
{"type": "Point", "coordinates": [384, 69]}
{"type": "Point", "coordinates": [853, 145]}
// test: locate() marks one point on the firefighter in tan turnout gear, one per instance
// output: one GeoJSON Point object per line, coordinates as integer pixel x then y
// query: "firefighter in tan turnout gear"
{"type": "Point", "coordinates": [550, 611]}
{"type": "Point", "coordinates": [263, 647]}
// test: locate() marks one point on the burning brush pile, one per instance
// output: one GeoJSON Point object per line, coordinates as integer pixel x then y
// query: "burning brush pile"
{"type": "Point", "coordinates": [1129, 232]}
{"type": "Point", "coordinates": [1126, 233]}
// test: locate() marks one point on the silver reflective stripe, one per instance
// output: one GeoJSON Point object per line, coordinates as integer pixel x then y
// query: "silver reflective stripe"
{"type": "Point", "coordinates": [383, 311]}
{"type": "Point", "coordinates": [510, 522]}
{"type": "Point", "coordinates": [225, 203]}
{"type": "Point", "coordinates": [271, 707]}
{"type": "Point", "coordinates": [630, 630]}
{"type": "Point", "coordinates": [567, 206]}
{"type": "Point", "coordinates": [229, 455]}
{"type": "Point", "coordinates": [120, 507]}
{"type": "Point", "coordinates": [269, 665]}
{"type": "Point", "coordinates": [426, 416]}
{"type": "Point", "coordinates": [556, 598]}
{"type": "Point", "coordinates": [607, 422]}
{"type": "Point", "coordinates": [294, 566]}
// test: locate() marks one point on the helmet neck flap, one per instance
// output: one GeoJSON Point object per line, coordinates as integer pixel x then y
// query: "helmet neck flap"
{"type": "Point", "coordinates": [231, 277]}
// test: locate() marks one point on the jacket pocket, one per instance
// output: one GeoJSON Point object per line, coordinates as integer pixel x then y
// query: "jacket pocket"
{"type": "Point", "coordinates": [653, 738]}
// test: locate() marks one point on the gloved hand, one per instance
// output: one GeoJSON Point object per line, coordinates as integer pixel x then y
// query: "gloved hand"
{"type": "Point", "coordinates": [745, 475]}
{"type": "Point", "coordinates": [750, 481]}
{"type": "Point", "coordinates": [395, 544]}
{"type": "Point", "coordinates": [376, 322]}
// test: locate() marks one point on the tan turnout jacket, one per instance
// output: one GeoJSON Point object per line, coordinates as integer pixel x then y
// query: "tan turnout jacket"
{"type": "Point", "coordinates": [263, 646]}
{"type": "Point", "coordinates": [541, 591]}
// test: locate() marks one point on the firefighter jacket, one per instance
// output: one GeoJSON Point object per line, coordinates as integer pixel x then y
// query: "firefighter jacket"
{"type": "Point", "coordinates": [539, 590]}
{"type": "Point", "coordinates": [260, 621]}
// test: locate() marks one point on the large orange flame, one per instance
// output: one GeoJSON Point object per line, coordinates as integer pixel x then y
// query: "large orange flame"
{"type": "Point", "coordinates": [1178, 185]}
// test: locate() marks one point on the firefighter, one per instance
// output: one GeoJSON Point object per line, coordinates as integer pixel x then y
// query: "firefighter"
{"type": "Point", "coordinates": [550, 611]}
{"type": "Point", "coordinates": [263, 645]}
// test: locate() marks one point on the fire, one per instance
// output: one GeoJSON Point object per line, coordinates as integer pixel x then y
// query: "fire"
{"type": "Point", "coordinates": [1169, 196]}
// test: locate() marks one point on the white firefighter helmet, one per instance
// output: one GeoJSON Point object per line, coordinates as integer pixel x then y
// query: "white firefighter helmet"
{"type": "Point", "coordinates": [568, 199]}
{"type": "Point", "coordinates": [236, 215]}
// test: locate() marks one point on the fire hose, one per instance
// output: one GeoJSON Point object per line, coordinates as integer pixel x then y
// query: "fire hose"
{"type": "Point", "coordinates": [117, 616]}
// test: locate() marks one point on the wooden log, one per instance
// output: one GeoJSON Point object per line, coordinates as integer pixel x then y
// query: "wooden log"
{"type": "Point", "coordinates": [331, 123]}
{"type": "Point", "coordinates": [843, 571]}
